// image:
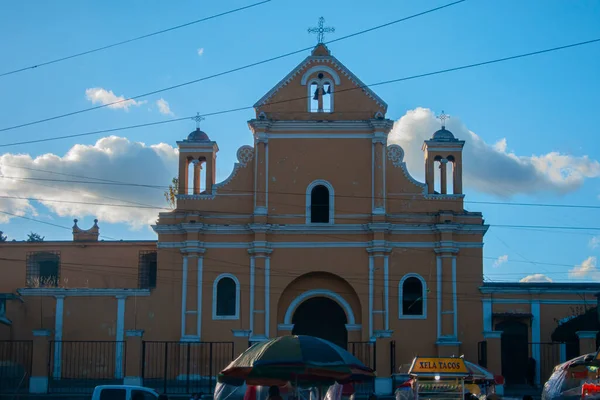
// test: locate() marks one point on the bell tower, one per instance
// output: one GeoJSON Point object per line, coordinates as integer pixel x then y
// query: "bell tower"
{"type": "Point", "coordinates": [195, 152]}
{"type": "Point", "coordinates": [443, 149]}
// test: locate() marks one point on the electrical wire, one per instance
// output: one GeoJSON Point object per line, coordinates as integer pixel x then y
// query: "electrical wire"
{"type": "Point", "coordinates": [230, 71]}
{"type": "Point", "coordinates": [83, 53]}
{"type": "Point", "coordinates": [227, 111]}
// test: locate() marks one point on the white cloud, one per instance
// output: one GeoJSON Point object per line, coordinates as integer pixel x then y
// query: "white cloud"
{"type": "Point", "coordinates": [538, 278]}
{"type": "Point", "coordinates": [586, 270]}
{"type": "Point", "coordinates": [103, 96]}
{"type": "Point", "coordinates": [110, 158]}
{"type": "Point", "coordinates": [501, 260]}
{"type": "Point", "coordinates": [201, 51]}
{"type": "Point", "coordinates": [492, 168]}
{"type": "Point", "coordinates": [595, 242]}
{"type": "Point", "coordinates": [163, 107]}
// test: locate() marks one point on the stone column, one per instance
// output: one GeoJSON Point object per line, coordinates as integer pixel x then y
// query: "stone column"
{"type": "Point", "coordinates": [38, 383]}
{"type": "Point", "coordinates": [383, 381]}
{"type": "Point", "coordinates": [260, 292]}
{"type": "Point", "coordinates": [494, 355]}
{"type": "Point", "coordinates": [58, 336]}
{"type": "Point", "coordinates": [197, 173]}
{"type": "Point", "coordinates": [443, 176]}
{"type": "Point", "coordinates": [119, 336]}
{"type": "Point", "coordinates": [133, 357]}
{"type": "Point", "coordinates": [587, 342]}
{"type": "Point", "coordinates": [183, 175]}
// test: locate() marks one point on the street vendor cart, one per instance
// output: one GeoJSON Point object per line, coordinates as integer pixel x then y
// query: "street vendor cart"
{"type": "Point", "coordinates": [436, 378]}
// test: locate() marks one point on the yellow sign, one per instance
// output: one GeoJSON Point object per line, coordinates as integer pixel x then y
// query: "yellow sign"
{"type": "Point", "coordinates": [438, 366]}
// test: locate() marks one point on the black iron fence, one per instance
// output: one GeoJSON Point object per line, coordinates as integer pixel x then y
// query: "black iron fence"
{"type": "Point", "coordinates": [551, 354]}
{"type": "Point", "coordinates": [184, 367]}
{"type": "Point", "coordinates": [367, 353]}
{"type": "Point", "coordinates": [79, 366]}
{"type": "Point", "coordinates": [15, 365]}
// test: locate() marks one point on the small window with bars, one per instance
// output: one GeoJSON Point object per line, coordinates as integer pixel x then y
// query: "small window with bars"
{"type": "Point", "coordinates": [43, 269]}
{"type": "Point", "coordinates": [147, 270]}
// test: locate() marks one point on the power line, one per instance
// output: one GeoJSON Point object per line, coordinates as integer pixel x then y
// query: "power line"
{"type": "Point", "coordinates": [230, 70]}
{"type": "Point", "coordinates": [500, 203]}
{"type": "Point", "coordinates": [83, 53]}
{"type": "Point", "coordinates": [538, 227]}
{"type": "Point", "coordinates": [231, 110]}
{"type": "Point", "coordinates": [161, 187]}
{"type": "Point", "coordinates": [43, 222]}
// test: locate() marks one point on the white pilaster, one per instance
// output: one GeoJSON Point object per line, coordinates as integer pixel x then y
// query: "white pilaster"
{"type": "Point", "coordinates": [184, 294]}
{"type": "Point", "coordinates": [386, 291]}
{"type": "Point", "coordinates": [563, 353]}
{"type": "Point", "coordinates": [252, 277]}
{"type": "Point", "coordinates": [267, 181]}
{"type": "Point", "coordinates": [371, 267]}
{"type": "Point", "coordinates": [199, 300]}
{"type": "Point", "coordinates": [439, 296]}
{"type": "Point", "coordinates": [267, 294]}
{"type": "Point", "coordinates": [120, 337]}
{"type": "Point", "coordinates": [58, 336]}
{"type": "Point", "coordinates": [536, 338]}
{"type": "Point", "coordinates": [487, 315]}
{"type": "Point", "coordinates": [454, 298]}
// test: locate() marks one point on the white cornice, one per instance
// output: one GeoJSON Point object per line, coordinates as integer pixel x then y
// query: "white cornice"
{"type": "Point", "coordinates": [83, 292]}
{"type": "Point", "coordinates": [540, 288]}
{"type": "Point", "coordinates": [386, 245]}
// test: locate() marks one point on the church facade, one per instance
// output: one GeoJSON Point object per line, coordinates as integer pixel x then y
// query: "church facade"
{"type": "Point", "coordinates": [319, 230]}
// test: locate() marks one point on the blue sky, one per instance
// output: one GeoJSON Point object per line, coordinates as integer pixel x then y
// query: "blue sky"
{"type": "Point", "coordinates": [540, 105]}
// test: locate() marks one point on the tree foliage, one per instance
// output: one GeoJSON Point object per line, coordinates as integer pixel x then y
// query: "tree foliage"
{"type": "Point", "coordinates": [34, 237]}
{"type": "Point", "coordinates": [2, 237]}
{"type": "Point", "coordinates": [171, 193]}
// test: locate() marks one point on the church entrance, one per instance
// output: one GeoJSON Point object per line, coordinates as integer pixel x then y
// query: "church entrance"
{"type": "Point", "coordinates": [323, 318]}
{"type": "Point", "coordinates": [514, 351]}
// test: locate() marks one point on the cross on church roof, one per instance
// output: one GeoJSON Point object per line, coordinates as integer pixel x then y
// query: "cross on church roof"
{"type": "Point", "coordinates": [198, 118]}
{"type": "Point", "coordinates": [443, 117]}
{"type": "Point", "coordinates": [321, 30]}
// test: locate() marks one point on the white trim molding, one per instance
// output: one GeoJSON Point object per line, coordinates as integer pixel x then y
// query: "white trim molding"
{"type": "Point", "coordinates": [492, 334]}
{"type": "Point", "coordinates": [237, 297]}
{"type": "Point", "coordinates": [423, 296]}
{"type": "Point", "coordinates": [83, 292]}
{"type": "Point", "coordinates": [586, 334]}
{"type": "Point", "coordinates": [320, 68]}
{"type": "Point", "coordinates": [309, 188]}
{"type": "Point", "coordinates": [287, 320]}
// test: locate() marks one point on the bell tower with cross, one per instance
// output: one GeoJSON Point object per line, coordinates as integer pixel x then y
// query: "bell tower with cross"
{"type": "Point", "coordinates": [197, 151]}
{"type": "Point", "coordinates": [443, 149]}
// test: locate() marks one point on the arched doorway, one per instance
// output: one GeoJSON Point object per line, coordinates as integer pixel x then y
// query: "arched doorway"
{"type": "Point", "coordinates": [514, 351]}
{"type": "Point", "coordinates": [321, 317]}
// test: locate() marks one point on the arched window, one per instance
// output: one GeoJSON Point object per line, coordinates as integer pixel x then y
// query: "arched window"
{"type": "Point", "coordinates": [412, 297]}
{"type": "Point", "coordinates": [320, 94]}
{"type": "Point", "coordinates": [226, 297]}
{"type": "Point", "coordinates": [319, 204]}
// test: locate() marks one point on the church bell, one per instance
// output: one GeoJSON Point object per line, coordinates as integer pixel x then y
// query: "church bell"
{"type": "Point", "coordinates": [316, 96]}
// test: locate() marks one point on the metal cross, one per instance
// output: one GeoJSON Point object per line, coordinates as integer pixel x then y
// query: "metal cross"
{"type": "Point", "coordinates": [198, 118]}
{"type": "Point", "coordinates": [321, 30]}
{"type": "Point", "coordinates": [443, 117]}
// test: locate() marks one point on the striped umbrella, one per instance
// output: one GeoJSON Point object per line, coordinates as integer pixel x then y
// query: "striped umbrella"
{"type": "Point", "coordinates": [301, 360]}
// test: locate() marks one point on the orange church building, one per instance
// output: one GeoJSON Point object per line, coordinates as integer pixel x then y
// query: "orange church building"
{"type": "Point", "coordinates": [319, 230]}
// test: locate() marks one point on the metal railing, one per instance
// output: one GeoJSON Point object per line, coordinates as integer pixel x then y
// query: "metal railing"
{"type": "Point", "coordinates": [184, 367]}
{"type": "Point", "coordinates": [79, 366]}
{"type": "Point", "coordinates": [16, 358]}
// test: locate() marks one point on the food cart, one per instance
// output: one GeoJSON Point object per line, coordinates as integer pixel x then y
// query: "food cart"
{"type": "Point", "coordinates": [438, 378]}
